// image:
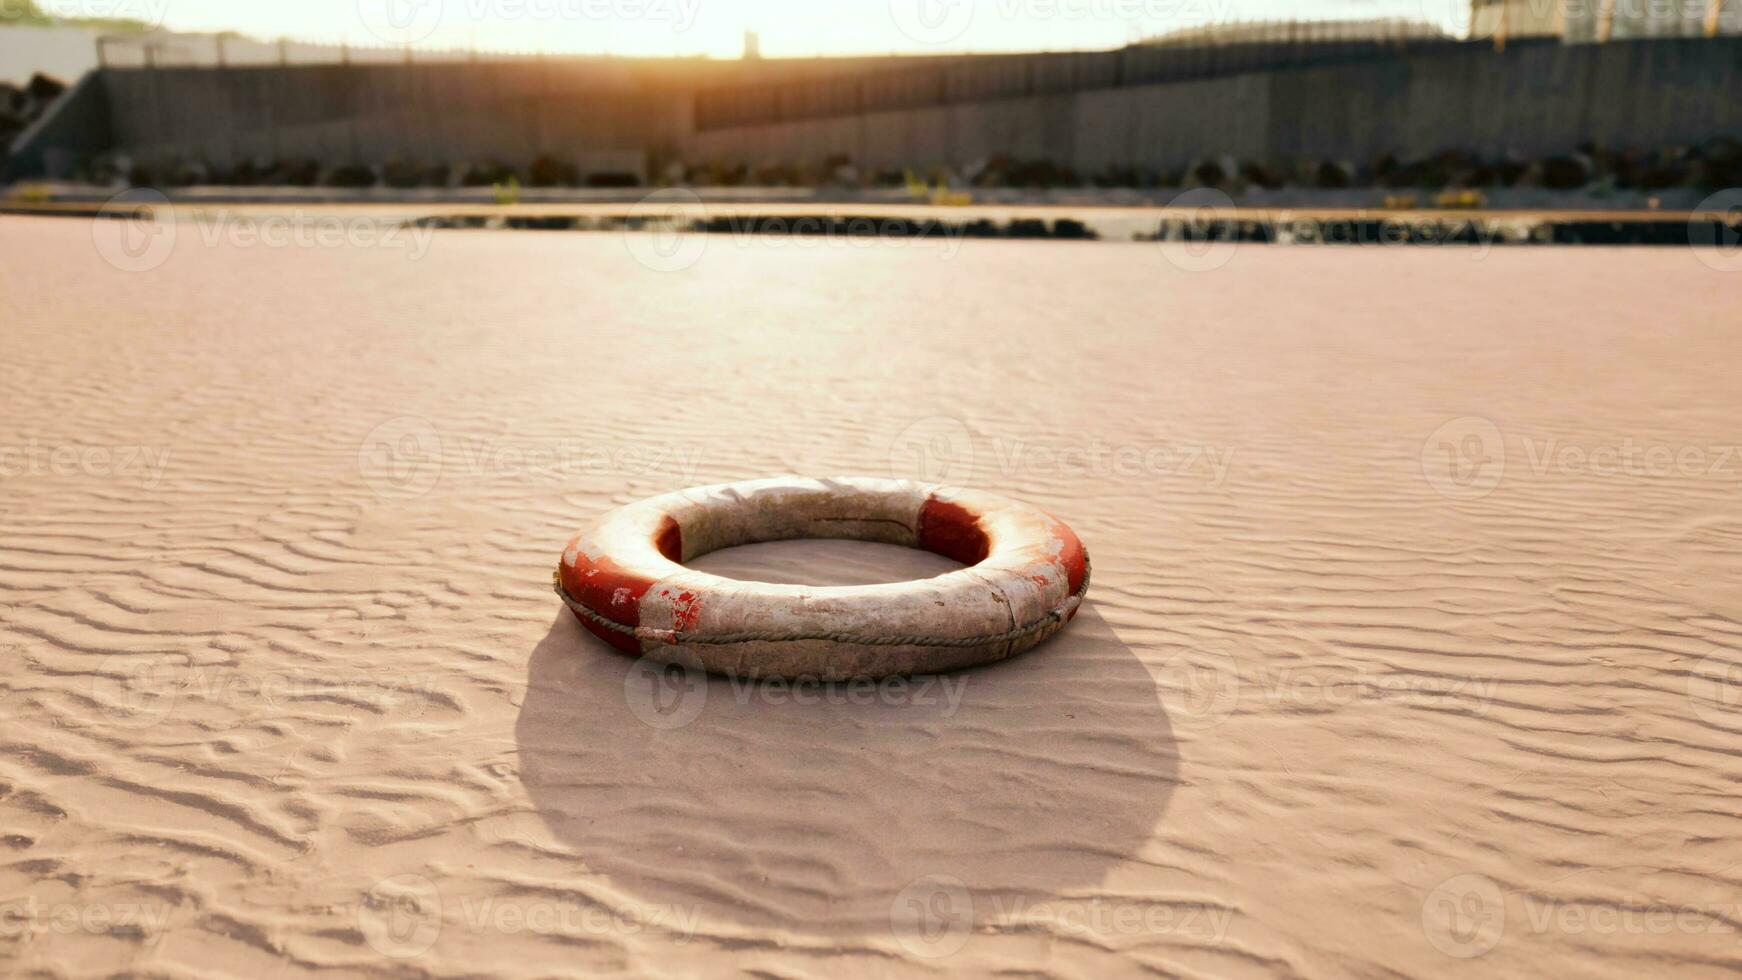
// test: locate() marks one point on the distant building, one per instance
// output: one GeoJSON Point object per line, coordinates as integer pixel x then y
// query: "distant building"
{"type": "Point", "coordinates": [66, 52]}
{"type": "Point", "coordinates": [1521, 18]}
{"type": "Point", "coordinates": [1624, 19]}
{"type": "Point", "coordinates": [1586, 21]}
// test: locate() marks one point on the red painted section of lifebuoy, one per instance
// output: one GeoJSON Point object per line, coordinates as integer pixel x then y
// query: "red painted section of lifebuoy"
{"type": "Point", "coordinates": [669, 540]}
{"type": "Point", "coordinates": [612, 591]}
{"type": "Point", "coordinates": [953, 531]}
{"type": "Point", "coordinates": [1074, 557]}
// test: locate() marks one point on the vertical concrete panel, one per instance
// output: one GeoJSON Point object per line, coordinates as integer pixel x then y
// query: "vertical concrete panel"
{"type": "Point", "coordinates": [1533, 98]}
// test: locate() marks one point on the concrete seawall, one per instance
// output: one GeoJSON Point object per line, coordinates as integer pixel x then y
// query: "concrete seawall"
{"type": "Point", "coordinates": [600, 113]}
{"type": "Point", "coordinates": [1537, 99]}
{"type": "Point", "coordinates": [628, 115]}
{"type": "Point", "coordinates": [372, 114]}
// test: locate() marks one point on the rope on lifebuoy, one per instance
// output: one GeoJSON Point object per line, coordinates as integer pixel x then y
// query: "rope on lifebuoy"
{"type": "Point", "coordinates": [1052, 618]}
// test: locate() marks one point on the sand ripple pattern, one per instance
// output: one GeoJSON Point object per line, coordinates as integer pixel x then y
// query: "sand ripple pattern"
{"type": "Point", "coordinates": [1378, 678]}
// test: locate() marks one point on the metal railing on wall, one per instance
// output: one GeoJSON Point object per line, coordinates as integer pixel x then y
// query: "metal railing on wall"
{"type": "Point", "coordinates": [980, 78]}
{"type": "Point", "coordinates": [1216, 51]}
{"type": "Point", "coordinates": [167, 50]}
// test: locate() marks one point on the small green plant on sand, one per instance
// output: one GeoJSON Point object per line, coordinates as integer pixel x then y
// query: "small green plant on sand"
{"type": "Point", "coordinates": [507, 194]}
{"type": "Point", "coordinates": [30, 194]}
{"type": "Point", "coordinates": [940, 195]}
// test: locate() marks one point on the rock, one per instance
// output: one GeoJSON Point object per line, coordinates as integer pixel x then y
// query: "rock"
{"type": "Point", "coordinates": [1071, 228]}
{"type": "Point", "coordinates": [1511, 170]}
{"type": "Point", "coordinates": [350, 175]}
{"type": "Point", "coordinates": [1334, 174]}
{"type": "Point", "coordinates": [43, 89]}
{"type": "Point", "coordinates": [1211, 172]}
{"type": "Point", "coordinates": [992, 172]}
{"type": "Point", "coordinates": [401, 174]}
{"type": "Point", "coordinates": [838, 169]}
{"type": "Point", "coordinates": [1042, 174]}
{"type": "Point", "coordinates": [190, 174]}
{"type": "Point", "coordinates": [613, 178]}
{"type": "Point", "coordinates": [547, 171]}
{"type": "Point", "coordinates": [1118, 176]}
{"type": "Point", "coordinates": [774, 175]}
{"type": "Point", "coordinates": [487, 174]}
{"type": "Point", "coordinates": [1392, 172]}
{"type": "Point", "coordinates": [1260, 175]}
{"type": "Point", "coordinates": [1721, 163]}
{"type": "Point", "coordinates": [142, 175]}
{"type": "Point", "coordinates": [1566, 173]}
{"type": "Point", "coordinates": [296, 173]}
{"type": "Point", "coordinates": [1665, 169]}
{"type": "Point", "coordinates": [111, 170]}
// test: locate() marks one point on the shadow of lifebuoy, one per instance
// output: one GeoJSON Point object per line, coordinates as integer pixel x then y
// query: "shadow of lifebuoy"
{"type": "Point", "coordinates": [814, 810]}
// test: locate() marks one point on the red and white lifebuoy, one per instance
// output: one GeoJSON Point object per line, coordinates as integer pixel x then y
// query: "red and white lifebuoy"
{"type": "Point", "coordinates": [624, 579]}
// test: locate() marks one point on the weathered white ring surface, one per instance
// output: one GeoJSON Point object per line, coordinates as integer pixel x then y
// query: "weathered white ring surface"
{"type": "Point", "coordinates": [625, 580]}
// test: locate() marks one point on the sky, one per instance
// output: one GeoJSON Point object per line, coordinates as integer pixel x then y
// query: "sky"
{"type": "Point", "coordinates": [716, 27]}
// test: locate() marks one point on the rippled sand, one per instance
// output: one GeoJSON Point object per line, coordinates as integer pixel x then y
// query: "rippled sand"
{"type": "Point", "coordinates": [1407, 654]}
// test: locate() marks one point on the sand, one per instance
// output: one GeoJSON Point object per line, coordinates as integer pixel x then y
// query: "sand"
{"type": "Point", "coordinates": [1413, 649]}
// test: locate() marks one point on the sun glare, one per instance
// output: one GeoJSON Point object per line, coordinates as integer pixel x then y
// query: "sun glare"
{"type": "Point", "coordinates": [720, 28]}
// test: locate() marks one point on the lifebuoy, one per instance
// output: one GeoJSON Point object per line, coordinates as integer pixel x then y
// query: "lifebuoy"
{"type": "Point", "coordinates": [624, 579]}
